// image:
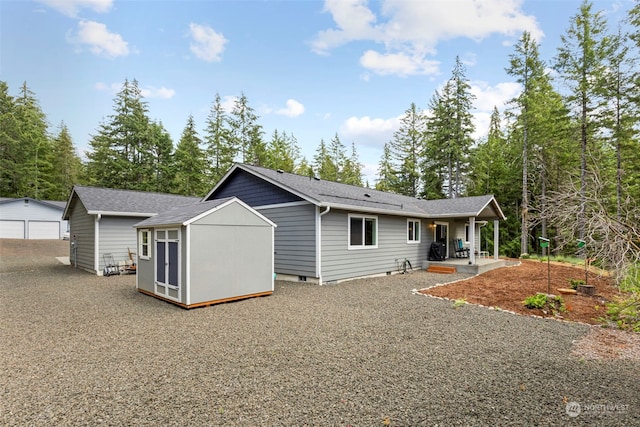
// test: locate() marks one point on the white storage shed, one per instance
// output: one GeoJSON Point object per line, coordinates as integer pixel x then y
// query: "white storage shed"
{"type": "Point", "coordinates": [206, 253]}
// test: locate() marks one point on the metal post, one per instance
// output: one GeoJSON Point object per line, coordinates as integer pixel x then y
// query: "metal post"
{"type": "Point", "coordinates": [544, 243]}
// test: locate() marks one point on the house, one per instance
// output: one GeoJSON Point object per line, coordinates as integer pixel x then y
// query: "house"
{"type": "Point", "coordinates": [101, 222]}
{"type": "Point", "coordinates": [206, 253]}
{"type": "Point", "coordinates": [328, 232]}
{"type": "Point", "coordinates": [27, 218]}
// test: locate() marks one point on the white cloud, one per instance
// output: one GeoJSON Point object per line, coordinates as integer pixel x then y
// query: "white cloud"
{"type": "Point", "coordinates": [488, 97]}
{"type": "Point", "coordinates": [367, 131]}
{"type": "Point", "coordinates": [147, 92]}
{"type": "Point", "coordinates": [293, 109]}
{"type": "Point", "coordinates": [71, 8]}
{"type": "Point", "coordinates": [157, 92]}
{"type": "Point", "coordinates": [207, 44]}
{"type": "Point", "coordinates": [399, 64]}
{"type": "Point", "coordinates": [99, 40]}
{"type": "Point", "coordinates": [410, 31]}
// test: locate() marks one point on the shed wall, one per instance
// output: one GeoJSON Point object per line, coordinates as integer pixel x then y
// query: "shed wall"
{"type": "Point", "coordinates": [338, 262]}
{"type": "Point", "coordinates": [116, 236]}
{"type": "Point", "coordinates": [82, 226]}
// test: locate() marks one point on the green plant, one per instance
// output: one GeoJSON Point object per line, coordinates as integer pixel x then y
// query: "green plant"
{"type": "Point", "coordinates": [631, 280]}
{"type": "Point", "coordinates": [554, 304]}
{"type": "Point", "coordinates": [536, 301]}
{"type": "Point", "coordinates": [576, 282]}
{"type": "Point", "coordinates": [525, 256]}
{"type": "Point", "coordinates": [624, 313]}
{"type": "Point", "coordinates": [459, 303]}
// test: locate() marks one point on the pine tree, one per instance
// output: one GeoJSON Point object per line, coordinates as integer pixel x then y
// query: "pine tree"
{"type": "Point", "coordinates": [246, 133]}
{"type": "Point", "coordinates": [11, 153]}
{"type": "Point", "coordinates": [120, 150]}
{"type": "Point", "coordinates": [386, 173]}
{"type": "Point", "coordinates": [581, 63]}
{"type": "Point", "coordinates": [406, 151]}
{"type": "Point", "coordinates": [220, 149]}
{"type": "Point", "coordinates": [352, 170]}
{"type": "Point", "coordinates": [161, 156]}
{"type": "Point", "coordinates": [67, 166]}
{"type": "Point", "coordinates": [190, 163]}
{"type": "Point", "coordinates": [282, 152]}
{"type": "Point", "coordinates": [323, 163]}
{"type": "Point", "coordinates": [337, 153]}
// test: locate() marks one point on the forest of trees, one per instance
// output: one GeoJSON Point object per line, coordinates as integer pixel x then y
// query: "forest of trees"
{"type": "Point", "coordinates": [575, 122]}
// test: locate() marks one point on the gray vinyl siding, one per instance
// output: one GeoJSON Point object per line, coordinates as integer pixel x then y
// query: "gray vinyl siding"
{"type": "Point", "coordinates": [82, 226]}
{"type": "Point", "coordinates": [116, 236]}
{"type": "Point", "coordinates": [253, 191]}
{"type": "Point", "coordinates": [295, 239]}
{"type": "Point", "coordinates": [338, 262]}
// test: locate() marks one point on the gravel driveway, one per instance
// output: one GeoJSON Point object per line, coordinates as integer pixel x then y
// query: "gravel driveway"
{"type": "Point", "coordinates": [77, 349]}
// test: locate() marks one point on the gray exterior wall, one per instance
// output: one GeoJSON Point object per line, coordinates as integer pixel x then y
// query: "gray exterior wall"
{"type": "Point", "coordinates": [338, 262]}
{"type": "Point", "coordinates": [33, 211]}
{"type": "Point", "coordinates": [82, 226]}
{"type": "Point", "coordinates": [295, 239]}
{"type": "Point", "coordinates": [116, 235]}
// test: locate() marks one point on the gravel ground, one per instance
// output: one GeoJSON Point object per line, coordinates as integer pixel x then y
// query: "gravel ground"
{"type": "Point", "coordinates": [77, 349]}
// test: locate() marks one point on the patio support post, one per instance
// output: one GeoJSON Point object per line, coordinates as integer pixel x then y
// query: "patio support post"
{"type": "Point", "coordinates": [496, 238]}
{"type": "Point", "coordinates": [472, 240]}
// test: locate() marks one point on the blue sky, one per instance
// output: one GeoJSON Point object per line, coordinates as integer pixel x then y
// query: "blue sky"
{"type": "Point", "coordinates": [310, 68]}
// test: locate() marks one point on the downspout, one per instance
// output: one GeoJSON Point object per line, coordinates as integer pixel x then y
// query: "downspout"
{"type": "Point", "coordinates": [96, 243]}
{"type": "Point", "coordinates": [319, 244]}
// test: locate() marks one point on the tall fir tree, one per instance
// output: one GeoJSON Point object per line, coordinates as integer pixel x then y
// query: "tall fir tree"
{"type": "Point", "coordinates": [190, 163]}
{"type": "Point", "coordinates": [67, 166]}
{"type": "Point", "coordinates": [352, 169]}
{"type": "Point", "coordinates": [406, 151]}
{"type": "Point", "coordinates": [220, 149]}
{"type": "Point", "coordinates": [386, 172]}
{"type": "Point", "coordinates": [282, 152]}
{"type": "Point", "coordinates": [246, 133]}
{"type": "Point", "coordinates": [323, 163]}
{"type": "Point", "coordinates": [161, 157]}
{"type": "Point", "coordinates": [581, 64]}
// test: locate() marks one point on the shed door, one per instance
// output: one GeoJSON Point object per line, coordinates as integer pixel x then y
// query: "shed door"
{"type": "Point", "coordinates": [167, 263]}
{"type": "Point", "coordinates": [44, 230]}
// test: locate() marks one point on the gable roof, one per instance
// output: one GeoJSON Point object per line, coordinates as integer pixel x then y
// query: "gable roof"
{"type": "Point", "coordinates": [107, 201]}
{"type": "Point", "coordinates": [51, 203]}
{"type": "Point", "coordinates": [343, 196]}
{"type": "Point", "coordinates": [186, 214]}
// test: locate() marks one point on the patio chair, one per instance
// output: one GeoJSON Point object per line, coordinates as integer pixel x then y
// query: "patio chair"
{"type": "Point", "coordinates": [460, 250]}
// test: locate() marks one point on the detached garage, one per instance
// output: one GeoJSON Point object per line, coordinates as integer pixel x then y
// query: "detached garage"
{"type": "Point", "coordinates": [206, 253]}
{"type": "Point", "coordinates": [28, 218]}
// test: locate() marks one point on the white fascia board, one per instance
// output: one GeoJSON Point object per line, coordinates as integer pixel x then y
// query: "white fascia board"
{"type": "Point", "coordinates": [136, 214]}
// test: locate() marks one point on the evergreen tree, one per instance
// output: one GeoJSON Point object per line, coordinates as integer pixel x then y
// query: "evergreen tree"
{"type": "Point", "coordinates": [406, 151]}
{"type": "Point", "coordinates": [11, 153]}
{"type": "Point", "coordinates": [282, 152]}
{"type": "Point", "coordinates": [352, 170]}
{"type": "Point", "coordinates": [66, 165]}
{"type": "Point", "coordinates": [246, 133]}
{"type": "Point", "coordinates": [323, 163]}
{"type": "Point", "coordinates": [449, 130]}
{"type": "Point", "coordinates": [120, 150]}
{"type": "Point", "coordinates": [161, 156]}
{"type": "Point", "coordinates": [337, 153]}
{"type": "Point", "coordinates": [220, 149]}
{"type": "Point", "coordinates": [386, 173]}
{"type": "Point", "coordinates": [581, 63]}
{"type": "Point", "coordinates": [190, 163]}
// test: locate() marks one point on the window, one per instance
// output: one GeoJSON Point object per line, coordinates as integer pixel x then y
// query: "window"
{"type": "Point", "coordinates": [466, 233]}
{"type": "Point", "coordinates": [143, 251]}
{"type": "Point", "coordinates": [363, 232]}
{"type": "Point", "coordinates": [413, 231]}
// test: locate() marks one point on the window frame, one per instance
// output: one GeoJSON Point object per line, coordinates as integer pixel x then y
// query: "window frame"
{"type": "Point", "coordinates": [141, 244]}
{"type": "Point", "coordinates": [411, 239]}
{"type": "Point", "coordinates": [364, 219]}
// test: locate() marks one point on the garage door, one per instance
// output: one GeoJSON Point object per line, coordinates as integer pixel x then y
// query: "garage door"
{"type": "Point", "coordinates": [11, 229]}
{"type": "Point", "coordinates": [44, 230]}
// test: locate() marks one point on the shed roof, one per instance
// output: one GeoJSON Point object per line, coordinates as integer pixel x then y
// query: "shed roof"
{"type": "Point", "coordinates": [107, 201]}
{"type": "Point", "coordinates": [186, 214]}
{"type": "Point", "coordinates": [343, 196]}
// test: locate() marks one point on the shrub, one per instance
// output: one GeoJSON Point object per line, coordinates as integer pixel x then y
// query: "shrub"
{"type": "Point", "coordinates": [576, 282]}
{"type": "Point", "coordinates": [624, 313]}
{"type": "Point", "coordinates": [631, 280]}
{"type": "Point", "coordinates": [546, 303]}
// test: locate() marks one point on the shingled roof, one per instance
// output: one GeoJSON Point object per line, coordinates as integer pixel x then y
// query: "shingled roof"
{"type": "Point", "coordinates": [179, 215]}
{"type": "Point", "coordinates": [343, 196]}
{"type": "Point", "coordinates": [107, 201]}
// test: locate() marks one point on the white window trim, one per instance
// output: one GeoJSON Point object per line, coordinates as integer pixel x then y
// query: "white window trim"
{"type": "Point", "coordinates": [415, 241]}
{"type": "Point", "coordinates": [149, 243]}
{"type": "Point", "coordinates": [363, 246]}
